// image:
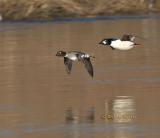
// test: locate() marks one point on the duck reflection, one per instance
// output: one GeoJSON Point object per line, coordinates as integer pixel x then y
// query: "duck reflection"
{"type": "Point", "coordinates": [76, 116]}
{"type": "Point", "coordinates": [90, 115]}
{"type": "Point", "coordinates": [121, 109]}
{"type": "Point", "coordinates": [71, 116]}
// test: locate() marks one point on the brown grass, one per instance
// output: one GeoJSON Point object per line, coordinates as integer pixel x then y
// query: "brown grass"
{"type": "Point", "coordinates": [49, 9]}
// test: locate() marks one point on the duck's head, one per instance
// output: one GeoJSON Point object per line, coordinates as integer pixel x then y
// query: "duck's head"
{"type": "Point", "coordinates": [61, 54]}
{"type": "Point", "coordinates": [107, 41]}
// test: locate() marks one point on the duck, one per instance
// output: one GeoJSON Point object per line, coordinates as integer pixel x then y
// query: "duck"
{"type": "Point", "coordinates": [125, 43]}
{"type": "Point", "coordinates": [73, 56]}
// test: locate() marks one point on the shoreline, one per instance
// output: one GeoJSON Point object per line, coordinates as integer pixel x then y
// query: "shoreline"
{"type": "Point", "coordinates": [88, 19]}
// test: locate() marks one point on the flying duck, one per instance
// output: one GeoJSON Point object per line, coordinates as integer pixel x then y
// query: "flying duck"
{"type": "Point", "coordinates": [72, 56]}
{"type": "Point", "coordinates": [125, 43]}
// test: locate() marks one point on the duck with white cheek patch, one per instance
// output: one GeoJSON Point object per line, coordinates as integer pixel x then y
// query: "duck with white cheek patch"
{"type": "Point", "coordinates": [125, 43]}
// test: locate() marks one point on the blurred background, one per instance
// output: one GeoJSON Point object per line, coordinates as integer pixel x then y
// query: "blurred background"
{"type": "Point", "coordinates": [50, 9]}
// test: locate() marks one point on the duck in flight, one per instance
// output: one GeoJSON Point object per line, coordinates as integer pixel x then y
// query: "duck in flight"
{"type": "Point", "coordinates": [72, 56]}
{"type": "Point", "coordinates": [125, 43]}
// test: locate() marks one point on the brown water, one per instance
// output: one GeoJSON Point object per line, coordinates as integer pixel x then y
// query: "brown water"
{"type": "Point", "coordinates": [39, 99]}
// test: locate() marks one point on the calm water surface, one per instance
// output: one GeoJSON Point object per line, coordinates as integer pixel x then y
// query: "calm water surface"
{"type": "Point", "coordinates": [39, 99]}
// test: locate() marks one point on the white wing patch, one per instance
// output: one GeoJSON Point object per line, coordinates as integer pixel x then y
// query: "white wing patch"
{"type": "Point", "coordinates": [85, 56]}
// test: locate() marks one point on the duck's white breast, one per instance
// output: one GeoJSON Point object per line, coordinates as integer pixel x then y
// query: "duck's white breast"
{"type": "Point", "coordinates": [122, 45]}
{"type": "Point", "coordinates": [72, 56]}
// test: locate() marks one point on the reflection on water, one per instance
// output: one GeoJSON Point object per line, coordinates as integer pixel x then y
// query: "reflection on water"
{"type": "Point", "coordinates": [120, 110]}
{"type": "Point", "coordinates": [74, 116]}
{"type": "Point", "coordinates": [123, 109]}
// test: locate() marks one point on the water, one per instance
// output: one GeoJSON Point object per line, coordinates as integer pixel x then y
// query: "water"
{"type": "Point", "coordinates": [39, 99]}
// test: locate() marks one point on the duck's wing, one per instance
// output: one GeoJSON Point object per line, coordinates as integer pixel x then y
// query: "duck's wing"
{"type": "Point", "coordinates": [127, 37]}
{"type": "Point", "coordinates": [88, 66]}
{"type": "Point", "coordinates": [68, 64]}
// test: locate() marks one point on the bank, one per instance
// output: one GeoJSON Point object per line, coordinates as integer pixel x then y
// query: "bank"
{"type": "Point", "coordinates": [52, 9]}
